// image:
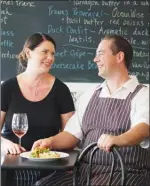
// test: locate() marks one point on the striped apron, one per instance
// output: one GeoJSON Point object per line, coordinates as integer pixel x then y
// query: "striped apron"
{"type": "Point", "coordinates": [108, 116]}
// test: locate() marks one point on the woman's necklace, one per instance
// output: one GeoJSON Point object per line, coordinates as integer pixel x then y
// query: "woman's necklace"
{"type": "Point", "coordinates": [36, 92]}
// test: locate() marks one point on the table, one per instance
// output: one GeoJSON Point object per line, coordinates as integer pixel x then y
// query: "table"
{"type": "Point", "coordinates": [17, 162]}
{"type": "Point", "coordinates": [14, 162]}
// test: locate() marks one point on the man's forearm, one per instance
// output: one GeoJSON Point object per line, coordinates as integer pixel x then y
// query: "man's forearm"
{"type": "Point", "coordinates": [64, 140]}
{"type": "Point", "coordinates": [134, 136]}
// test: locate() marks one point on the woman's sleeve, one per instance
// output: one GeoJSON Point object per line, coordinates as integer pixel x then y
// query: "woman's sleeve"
{"type": "Point", "coordinates": [5, 96]}
{"type": "Point", "coordinates": [65, 100]}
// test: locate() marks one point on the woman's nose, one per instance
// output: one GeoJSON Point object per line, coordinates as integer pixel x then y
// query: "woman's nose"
{"type": "Point", "coordinates": [50, 56]}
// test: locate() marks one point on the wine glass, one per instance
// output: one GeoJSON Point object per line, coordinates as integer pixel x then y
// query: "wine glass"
{"type": "Point", "coordinates": [20, 125]}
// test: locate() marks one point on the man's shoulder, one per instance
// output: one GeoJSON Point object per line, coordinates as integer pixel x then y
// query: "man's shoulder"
{"type": "Point", "coordinates": [143, 93]}
{"type": "Point", "coordinates": [145, 88]}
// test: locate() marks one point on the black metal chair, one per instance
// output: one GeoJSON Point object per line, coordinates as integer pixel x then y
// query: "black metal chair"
{"type": "Point", "coordinates": [95, 148]}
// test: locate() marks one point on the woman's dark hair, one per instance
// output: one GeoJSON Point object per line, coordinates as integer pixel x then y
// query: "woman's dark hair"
{"type": "Point", "coordinates": [32, 42]}
{"type": "Point", "coordinates": [121, 44]}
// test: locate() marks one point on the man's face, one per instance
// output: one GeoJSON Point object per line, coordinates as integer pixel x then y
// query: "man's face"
{"type": "Point", "coordinates": [105, 60]}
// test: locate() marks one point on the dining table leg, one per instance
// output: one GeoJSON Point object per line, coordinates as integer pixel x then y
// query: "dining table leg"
{"type": "Point", "coordinates": [6, 177]}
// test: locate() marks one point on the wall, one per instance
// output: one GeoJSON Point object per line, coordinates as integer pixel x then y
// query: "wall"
{"type": "Point", "coordinates": [77, 27]}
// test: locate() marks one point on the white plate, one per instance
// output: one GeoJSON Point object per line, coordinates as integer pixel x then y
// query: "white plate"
{"type": "Point", "coordinates": [27, 155]}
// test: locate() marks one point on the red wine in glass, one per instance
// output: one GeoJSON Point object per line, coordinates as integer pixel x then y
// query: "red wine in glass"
{"type": "Point", "coordinates": [19, 133]}
{"type": "Point", "coordinates": [19, 125]}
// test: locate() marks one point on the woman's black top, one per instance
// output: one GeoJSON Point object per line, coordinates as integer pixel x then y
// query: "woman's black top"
{"type": "Point", "coordinates": [43, 116]}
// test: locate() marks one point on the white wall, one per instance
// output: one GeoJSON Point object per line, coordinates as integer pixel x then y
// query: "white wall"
{"type": "Point", "coordinates": [79, 88]}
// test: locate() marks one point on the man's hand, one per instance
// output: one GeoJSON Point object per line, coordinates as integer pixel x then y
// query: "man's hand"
{"type": "Point", "coordinates": [43, 143]}
{"type": "Point", "coordinates": [106, 141]}
{"type": "Point", "coordinates": [132, 137]}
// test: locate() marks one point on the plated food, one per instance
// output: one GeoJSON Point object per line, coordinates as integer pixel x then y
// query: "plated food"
{"type": "Point", "coordinates": [44, 154]}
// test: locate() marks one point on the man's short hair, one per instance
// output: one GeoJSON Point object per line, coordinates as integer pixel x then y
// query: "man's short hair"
{"type": "Point", "coordinates": [121, 44]}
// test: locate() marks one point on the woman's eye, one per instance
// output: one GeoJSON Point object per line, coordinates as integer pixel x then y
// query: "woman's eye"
{"type": "Point", "coordinates": [45, 52]}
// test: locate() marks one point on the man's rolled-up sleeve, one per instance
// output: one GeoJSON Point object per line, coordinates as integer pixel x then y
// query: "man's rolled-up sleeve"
{"type": "Point", "coordinates": [73, 127]}
{"type": "Point", "coordinates": [140, 112]}
{"type": "Point", "coordinates": [140, 108]}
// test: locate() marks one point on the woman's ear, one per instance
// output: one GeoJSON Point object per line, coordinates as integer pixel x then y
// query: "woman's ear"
{"type": "Point", "coordinates": [28, 52]}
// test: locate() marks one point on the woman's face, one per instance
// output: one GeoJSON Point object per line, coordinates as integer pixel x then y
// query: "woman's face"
{"type": "Point", "coordinates": [42, 57]}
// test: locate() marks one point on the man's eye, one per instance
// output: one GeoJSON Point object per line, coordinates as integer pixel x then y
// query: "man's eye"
{"type": "Point", "coordinates": [45, 51]}
{"type": "Point", "coordinates": [98, 54]}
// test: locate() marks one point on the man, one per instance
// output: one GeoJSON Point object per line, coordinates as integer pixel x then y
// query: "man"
{"type": "Point", "coordinates": [115, 113]}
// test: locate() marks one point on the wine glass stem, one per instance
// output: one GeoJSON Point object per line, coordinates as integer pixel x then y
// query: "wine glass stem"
{"type": "Point", "coordinates": [20, 141]}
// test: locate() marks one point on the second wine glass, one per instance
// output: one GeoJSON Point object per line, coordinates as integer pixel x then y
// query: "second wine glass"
{"type": "Point", "coordinates": [20, 125]}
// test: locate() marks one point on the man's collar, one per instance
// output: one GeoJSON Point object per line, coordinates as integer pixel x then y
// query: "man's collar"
{"type": "Point", "coordinates": [101, 85]}
{"type": "Point", "coordinates": [132, 83]}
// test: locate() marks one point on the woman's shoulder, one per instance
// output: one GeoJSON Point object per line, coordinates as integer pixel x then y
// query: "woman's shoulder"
{"type": "Point", "coordinates": [9, 83]}
{"type": "Point", "coordinates": [59, 84]}
{"type": "Point", "coordinates": [8, 86]}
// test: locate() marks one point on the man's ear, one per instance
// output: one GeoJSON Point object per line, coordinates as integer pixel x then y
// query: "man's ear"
{"type": "Point", "coordinates": [28, 53]}
{"type": "Point", "coordinates": [120, 57]}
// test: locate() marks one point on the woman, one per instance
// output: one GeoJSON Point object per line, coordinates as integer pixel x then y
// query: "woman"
{"type": "Point", "coordinates": [46, 100]}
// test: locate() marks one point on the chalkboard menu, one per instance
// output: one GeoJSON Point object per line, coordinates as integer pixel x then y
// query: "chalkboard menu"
{"type": "Point", "coordinates": [77, 27]}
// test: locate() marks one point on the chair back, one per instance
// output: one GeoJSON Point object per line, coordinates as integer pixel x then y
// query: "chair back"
{"type": "Point", "coordinates": [114, 151]}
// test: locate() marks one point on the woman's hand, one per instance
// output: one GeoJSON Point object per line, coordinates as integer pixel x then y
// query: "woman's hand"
{"type": "Point", "coordinates": [106, 141]}
{"type": "Point", "coordinates": [43, 143]}
{"type": "Point", "coordinates": [10, 147]}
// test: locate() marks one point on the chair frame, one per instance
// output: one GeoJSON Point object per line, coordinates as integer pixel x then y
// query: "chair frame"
{"type": "Point", "coordinates": [113, 151]}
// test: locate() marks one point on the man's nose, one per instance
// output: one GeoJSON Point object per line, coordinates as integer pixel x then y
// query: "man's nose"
{"type": "Point", "coordinates": [96, 59]}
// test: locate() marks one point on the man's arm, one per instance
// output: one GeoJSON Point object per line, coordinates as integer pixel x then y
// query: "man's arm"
{"type": "Point", "coordinates": [135, 135]}
{"type": "Point", "coordinates": [63, 140]}
{"type": "Point", "coordinates": [132, 137]}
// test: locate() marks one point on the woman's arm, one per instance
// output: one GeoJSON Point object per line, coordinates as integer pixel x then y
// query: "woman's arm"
{"type": "Point", "coordinates": [64, 103]}
{"type": "Point", "coordinates": [65, 118]}
{"type": "Point", "coordinates": [8, 146]}
{"type": "Point", "coordinates": [3, 114]}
